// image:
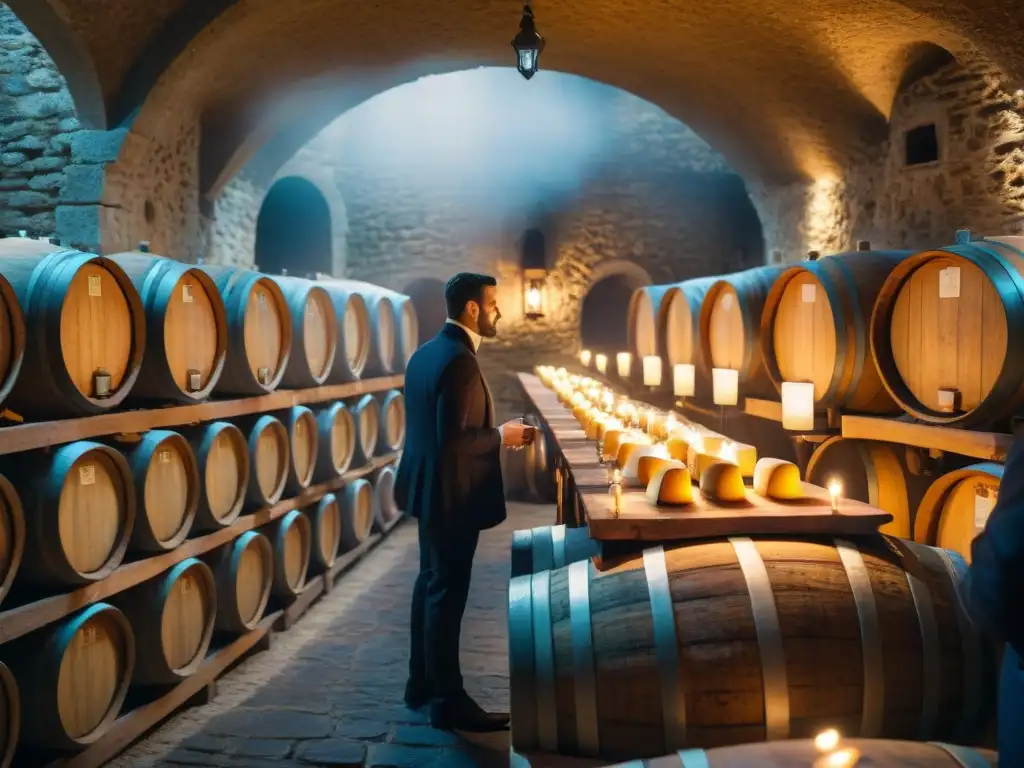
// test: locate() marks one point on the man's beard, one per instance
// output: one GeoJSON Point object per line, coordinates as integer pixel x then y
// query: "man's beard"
{"type": "Point", "coordinates": [488, 330]}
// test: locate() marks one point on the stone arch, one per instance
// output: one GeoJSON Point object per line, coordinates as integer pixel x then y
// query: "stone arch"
{"type": "Point", "coordinates": [604, 308]}
{"type": "Point", "coordinates": [294, 232]}
{"type": "Point", "coordinates": [427, 294]}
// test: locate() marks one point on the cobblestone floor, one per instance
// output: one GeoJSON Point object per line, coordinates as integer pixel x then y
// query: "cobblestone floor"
{"type": "Point", "coordinates": [329, 691]}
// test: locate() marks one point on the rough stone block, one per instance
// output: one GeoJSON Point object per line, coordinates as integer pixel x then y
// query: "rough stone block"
{"type": "Point", "coordinates": [38, 105]}
{"type": "Point", "coordinates": [60, 143]}
{"type": "Point", "coordinates": [97, 146]}
{"type": "Point", "coordinates": [79, 224]}
{"type": "Point", "coordinates": [29, 144]}
{"type": "Point", "coordinates": [48, 181]}
{"type": "Point", "coordinates": [268, 748]}
{"type": "Point", "coordinates": [271, 724]}
{"type": "Point", "coordinates": [337, 753]}
{"type": "Point", "coordinates": [26, 200]}
{"type": "Point", "coordinates": [83, 184]}
{"type": "Point", "coordinates": [16, 85]}
{"type": "Point", "coordinates": [13, 131]}
{"type": "Point", "coordinates": [12, 159]}
{"type": "Point", "coordinates": [45, 79]}
{"type": "Point", "coordinates": [46, 164]}
{"type": "Point", "coordinates": [397, 756]}
{"type": "Point", "coordinates": [69, 125]}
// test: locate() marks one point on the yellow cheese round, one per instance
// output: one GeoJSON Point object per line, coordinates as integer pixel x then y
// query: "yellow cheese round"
{"type": "Point", "coordinates": [612, 439]}
{"type": "Point", "coordinates": [670, 486]}
{"type": "Point", "coordinates": [649, 466]}
{"type": "Point", "coordinates": [677, 448]}
{"type": "Point", "coordinates": [777, 479]}
{"type": "Point", "coordinates": [721, 481]}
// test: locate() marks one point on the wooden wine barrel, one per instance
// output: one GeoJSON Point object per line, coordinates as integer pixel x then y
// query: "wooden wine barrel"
{"type": "Point", "coordinates": [259, 331]}
{"type": "Point", "coordinates": [314, 332]}
{"type": "Point", "coordinates": [186, 328]}
{"type": "Point", "coordinates": [391, 436]}
{"type": "Point", "coordinates": [356, 513]}
{"type": "Point", "coordinates": [12, 548]}
{"type": "Point", "coordinates": [291, 537]}
{"type": "Point", "coordinates": [222, 457]}
{"type": "Point", "coordinates": [167, 487]}
{"type": "Point", "coordinates": [10, 716]}
{"type": "Point", "coordinates": [12, 342]}
{"type": "Point", "coordinates": [80, 504]}
{"type": "Point", "coordinates": [868, 753]}
{"type": "Point", "coordinates": [408, 328]}
{"type": "Point", "coordinates": [870, 472]}
{"type": "Point", "coordinates": [354, 339]}
{"type": "Point", "coordinates": [72, 677]}
{"type": "Point", "coordinates": [303, 440]}
{"type": "Point", "coordinates": [664, 320]}
{"type": "Point", "coordinates": [172, 617]}
{"type": "Point", "coordinates": [735, 641]}
{"type": "Point", "coordinates": [336, 441]}
{"type": "Point", "coordinates": [242, 570]}
{"type": "Point", "coordinates": [730, 327]}
{"type": "Point", "coordinates": [366, 415]}
{"type": "Point", "coordinates": [325, 527]}
{"type": "Point", "coordinates": [539, 457]}
{"type": "Point", "coordinates": [814, 328]}
{"type": "Point", "coordinates": [85, 326]}
{"type": "Point", "coordinates": [956, 507]}
{"type": "Point", "coordinates": [269, 458]}
{"type": "Point", "coordinates": [946, 328]}
{"type": "Point", "coordinates": [384, 353]}
{"type": "Point", "coordinates": [385, 510]}
{"type": "Point", "coordinates": [550, 546]}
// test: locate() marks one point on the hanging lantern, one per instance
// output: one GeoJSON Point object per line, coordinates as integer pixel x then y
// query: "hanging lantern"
{"type": "Point", "coordinates": [534, 298]}
{"type": "Point", "coordinates": [528, 45]}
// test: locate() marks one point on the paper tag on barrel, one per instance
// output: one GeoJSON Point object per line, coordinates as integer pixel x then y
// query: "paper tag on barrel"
{"type": "Point", "coordinates": [87, 474]}
{"type": "Point", "coordinates": [949, 283]}
{"type": "Point", "coordinates": [984, 501]}
{"type": "Point", "coordinates": [807, 293]}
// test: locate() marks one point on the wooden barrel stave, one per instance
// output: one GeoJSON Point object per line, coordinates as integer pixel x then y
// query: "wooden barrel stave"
{"type": "Point", "coordinates": [172, 617]}
{"type": "Point", "coordinates": [815, 328]}
{"type": "Point", "coordinates": [314, 332]}
{"type": "Point", "coordinates": [167, 487]}
{"type": "Point", "coordinates": [243, 570]}
{"type": "Point", "coordinates": [357, 510]}
{"type": "Point", "coordinates": [73, 676]}
{"type": "Point", "coordinates": [186, 328]}
{"type": "Point", "coordinates": [10, 716]}
{"type": "Point", "coordinates": [956, 506]}
{"type": "Point", "coordinates": [12, 545]}
{"type": "Point", "coordinates": [385, 510]}
{"type": "Point", "coordinates": [367, 417]}
{"type": "Point", "coordinates": [384, 352]}
{"type": "Point", "coordinates": [354, 332]}
{"type": "Point", "coordinates": [336, 441]}
{"type": "Point", "coordinates": [222, 458]}
{"type": "Point", "coordinates": [408, 329]}
{"type": "Point", "coordinates": [269, 458]}
{"type": "Point", "coordinates": [744, 632]}
{"type": "Point", "coordinates": [391, 432]}
{"type": "Point", "coordinates": [12, 337]}
{"type": "Point", "coordinates": [550, 546]}
{"type": "Point", "coordinates": [84, 493]}
{"type": "Point", "coordinates": [259, 331]}
{"type": "Point", "coordinates": [291, 537]}
{"type": "Point", "coordinates": [303, 442]}
{"type": "Point", "coordinates": [540, 463]}
{"type": "Point", "coordinates": [85, 328]}
{"type": "Point", "coordinates": [325, 530]}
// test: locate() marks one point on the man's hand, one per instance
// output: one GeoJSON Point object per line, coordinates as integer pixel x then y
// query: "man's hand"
{"type": "Point", "coordinates": [515, 434]}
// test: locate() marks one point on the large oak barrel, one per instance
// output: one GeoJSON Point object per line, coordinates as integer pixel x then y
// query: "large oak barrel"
{"type": "Point", "coordinates": [10, 716]}
{"type": "Point", "coordinates": [291, 537]}
{"type": "Point", "coordinates": [956, 507]}
{"type": "Point", "coordinates": [384, 353]}
{"type": "Point", "coordinates": [12, 341]}
{"type": "Point", "coordinates": [12, 544]}
{"type": "Point", "coordinates": [408, 328]}
{"type": "Point", "coordinates": [736, 641]}
{"type": "Point", "coordinates": [80, 508]}
{"type": "Point", "coordinates": [222, 455]}
{"type": "Point", "coordinates": [946, 330]}
{"type": "Point", "coordinates": [72, 677]}
{"type": "Point", "coordinates": [167, 489]}
{"type": "Point", "coordinates": [730, 327]}
{"type": "Point", "coordinates": [550, 546]}
{"type": "Point", "coordinates": [259, 331]}
{"type": "Point", "coordinates": [314, 332]}
{"type": "Point", "coordinates": [85, 329]}
{"type": "Point", "coordinates": [814, 328]}
{"type": "Point", "coordinates": [172, 617]}
{"type": "Point", "coordinates": [870, 472]}
{"type": "Point", "coordinates": [868, 753]}
{"type": "Point", "coordinates": [269, 458]}
{"type": "Point", "coordinates": [392, 423]}
{"type": "Point", "coordinates": [242, 570]}
{"type": "Point", "coordinates": [186, 328]}
{"type": "Point", "coordinates": [664, 320]}
{"type": "Point", "coordinates": [303, 440]}
{"type": "Point", "coordinates": [366, 415]}
{"type": "Point", "coordinates": [385, 510]}
{"type": "Point", "coordinates": [539, 458]}
{"type": "Point", "coordinates": [354, 339]}
{"type": "Point", "coordinates": [325, 529]}
{"type": "Point", "coordinates": [357, 507]}
{"type": "Point", "coordinates": [336, 441]}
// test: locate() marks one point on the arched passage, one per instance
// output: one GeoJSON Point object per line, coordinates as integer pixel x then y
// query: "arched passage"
{"type": "Point", "coordinates": [293, 230]}
{"type": "Point", "coordinates": [427, 296]}
{"type": "Point", "coordinates": [603, 314]}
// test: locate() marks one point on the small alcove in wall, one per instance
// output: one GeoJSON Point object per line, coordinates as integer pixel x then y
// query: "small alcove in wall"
{"type": "Point", "coordinates": [605, 307]}
{"type": "Point", "coordinates": [293, 230]}
{"type": "Point", "coordinates": [427, 294]}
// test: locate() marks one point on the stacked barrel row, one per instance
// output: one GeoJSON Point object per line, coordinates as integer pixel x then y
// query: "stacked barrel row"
{"type": "Point", "coordinates": [82, 334]}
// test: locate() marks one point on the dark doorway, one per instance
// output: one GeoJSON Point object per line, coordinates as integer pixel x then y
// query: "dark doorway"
{"type": "Point", "coordinates": [427, 296]}
{"type": "Point", "coordinates": [603, 315]}
{"type": "Point", "coordinates": [293, 231]}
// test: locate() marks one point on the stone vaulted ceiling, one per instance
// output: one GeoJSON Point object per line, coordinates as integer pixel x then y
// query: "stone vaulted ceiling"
{"type": "Point", "coordinates": [783, 89]}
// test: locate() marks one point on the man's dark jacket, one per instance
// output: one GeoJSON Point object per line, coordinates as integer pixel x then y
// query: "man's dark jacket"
{"type": "Point", "coordinates": [450, 471]}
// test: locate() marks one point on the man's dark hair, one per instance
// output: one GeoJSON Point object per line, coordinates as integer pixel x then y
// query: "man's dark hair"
{"type": "Point", "coordinates": [464, 288]}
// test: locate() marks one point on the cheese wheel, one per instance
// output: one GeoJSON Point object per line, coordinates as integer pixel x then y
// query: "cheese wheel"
{"type": "Point", "coordinates": [777, 479]}
{"type": "Point", "coordinates": [612, 438]}
{"type": "Point", "coordinates": [671, 486]}
{"type": "Point", "coordinates": [626, 449]}
{"type": "Point", "coordinates": [723, 482]}
{"type": "Point", "coordinates": [649, 466]}
{"type": "Point", "coordinates": [677, 448]}
{"type": "Point", "coordinates": [699, 462]}
{"type": "Point", "coordinates": [631, 468]}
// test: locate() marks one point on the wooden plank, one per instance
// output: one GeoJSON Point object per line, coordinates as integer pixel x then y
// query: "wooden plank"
{"type": "Point", "coordinates": [129, 727]}
{"type": "Point", "coordinates": [990, 446]}
{"type": "Point", "coordinates": [639, 520]}
{"type": "Point", "coordinates": [313, 589]}
{"type": "Point", "coordinates": [19, 621]}
{"type": "Point", "coordinates": [26, 437]}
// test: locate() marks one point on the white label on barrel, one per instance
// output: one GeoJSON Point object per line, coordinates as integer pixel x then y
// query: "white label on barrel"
{"type": "Point", "coordinates": [165, 457]}
{"type": "Point", "coordinates": [88, 635]}
{"type": "Point", "coordinates": [727, 302]}
{"type": "Point", "coordinates": [261, 299]}
{"type": "Point", "coordinates": [87, 474]}
{"type": "Point", "coordinates": [984, 501]}
{"type": "Point", "coordinates": [186, 293]}
{"type": "Point", "coordinates": [807, 293]}
{"type": "Point", "coordinates": [949, 283]}
{"type": "Point", "coordinates": [95, 286]}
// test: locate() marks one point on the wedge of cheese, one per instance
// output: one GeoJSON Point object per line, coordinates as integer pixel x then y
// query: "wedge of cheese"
{"type": "Point", "coordinates": [777, 479]}
{"type": "Point", "coordinates": [671, 486]}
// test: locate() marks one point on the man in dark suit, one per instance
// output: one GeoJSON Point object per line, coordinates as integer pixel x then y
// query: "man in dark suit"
{"type": "Point", "coordinates": [449, 478]}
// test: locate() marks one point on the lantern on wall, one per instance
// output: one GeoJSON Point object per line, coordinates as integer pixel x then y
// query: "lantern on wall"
{"type": "Point", "coordinates": [533, 259]}
{"type": "Point", "coordinates": [528, 45]}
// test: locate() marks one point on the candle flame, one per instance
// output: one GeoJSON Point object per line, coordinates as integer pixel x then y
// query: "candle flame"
{"type": "Point", "coordinates": [835, 488]}
{"type": "Point", "coordinates": [827, 740]}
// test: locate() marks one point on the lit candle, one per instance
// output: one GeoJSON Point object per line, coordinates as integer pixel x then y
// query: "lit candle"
{"type": "Point", "coordinates": [609, 400]}
{"type": "Point", "coordinates": [728, 452]}
{"type": "Point", "coordinates": [601, 361]}
{"type": "Point", "coordinates": [798, 406]}
{"type": "Point", "coordinates": [827, 740]}
{"type": "Point", "coordinates": [835, 491]}
{"type": "Point", "coordinates": [725, 383]}
{"type": "Point", "coordinates": [683, 376]}
{"type": "Point", "coordinates": [585, 356]}
{"type": "Point", "coordinates": [617, 489]}
{"type": "Point", "coordinates": [652, 371]}
{"type": "Point", "coordinates": [624, 362]}
{"type": "Point", "coordinates": [670, 425]}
